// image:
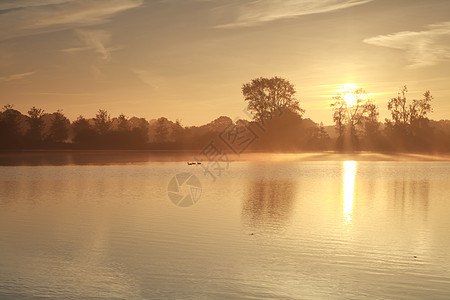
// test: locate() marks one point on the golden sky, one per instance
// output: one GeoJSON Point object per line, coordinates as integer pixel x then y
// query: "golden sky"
{"type": "Point", "coordinates": [187, 59]}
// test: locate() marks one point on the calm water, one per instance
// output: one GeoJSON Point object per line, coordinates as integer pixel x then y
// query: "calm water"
{"type": "Point", "coordinates": [274, 230]}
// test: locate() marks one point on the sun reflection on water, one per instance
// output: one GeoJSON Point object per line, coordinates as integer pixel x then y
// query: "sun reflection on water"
{"type": "Point", "coordinates": [349, 189]}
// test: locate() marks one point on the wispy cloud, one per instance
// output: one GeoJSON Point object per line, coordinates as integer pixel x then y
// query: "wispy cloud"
{"type": "Point", "coordinates": [93, 40]}
{"type": "Point", "coordinates": [249, 13]}
{"type": "Point", "coordinates": [16, 76]}
{"type": "Point", "coordinates": [33, 17]}
{"type": "Point", "coordinates": [423, 48]}
{"type": "Point", "coordinates": [14, 4]}
{"type": "Point", "coordinates": [149, 79]}
{"type": "Point", "coordinates": [58, 94]}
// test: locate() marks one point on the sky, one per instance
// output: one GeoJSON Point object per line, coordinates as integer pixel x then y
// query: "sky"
{"type": "Point", "coordinates": [188, 59]}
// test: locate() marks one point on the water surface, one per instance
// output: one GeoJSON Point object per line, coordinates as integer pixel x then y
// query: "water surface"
{"type": "Point", "coordinates": [262, 230]}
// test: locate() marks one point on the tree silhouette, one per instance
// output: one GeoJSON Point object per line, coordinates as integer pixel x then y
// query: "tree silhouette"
{"type": "Point", "coordinates": [59, 129]}
{"type": "Point", "coordinates": [83, 132]}
{"type": "Point", "coordinates": [339, 107]}
{"type": "Point", "coordinates": [161, 130]}
{"type": "Point", "coordinates": [420, 109]}
{"type": "Point", "coordinates": [409, 125]}
{"type": "Point", "coordinates": [80, 124]}
{"type": "Point", "coordinates": [414, 114]}
{"type": "Point", "coordinates": [270, 96]}
{"type": "Point", "coordinates": [355, 117]}
{"type": "Point", "coordinates": [102, 121]}
{"type": "Point", "coordinates": [178, 131]}
{"type": "Point", "coordinates": [351, 116]}
{"type": "Point", "coordinates": [34, 133]}
{"type": "Point", "coordinates": [122, 125]}
{"type": "Point", "coordinates": [7, 107]}
{"type": "Point", "coordinates": [319, 139]}
{"type": "Point", "coordinates": [9, 127]}
{"type": "Point", "coordinates": [399, 109]}
{"type": "Point", "coordinates": [140, 130]}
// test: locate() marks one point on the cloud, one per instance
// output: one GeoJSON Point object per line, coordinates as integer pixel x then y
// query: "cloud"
{"type": "Point", "coordinates": [35, 17]}
{"type": "Point", "coordinates": [14, 4]}
{"type": "Point", "coordinates": [58, 94]}
{"type": "Point", "coordinates": [255, 12]}
{"type": "Point", "coordinates": [153, 81]}
{"type": "Point", "coordinates": [93, 40]}
{"type": "Point", "coordinates": [16, 76]}
{"type": "Point", "coordinates": [423, 48]}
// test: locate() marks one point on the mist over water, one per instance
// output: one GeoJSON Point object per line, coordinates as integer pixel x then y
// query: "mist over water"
{"type": "Point", "coordinates": [285, 229]}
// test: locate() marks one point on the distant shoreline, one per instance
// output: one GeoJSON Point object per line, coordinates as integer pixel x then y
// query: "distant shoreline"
{"type": "Point", "coordinates": [112, 157]}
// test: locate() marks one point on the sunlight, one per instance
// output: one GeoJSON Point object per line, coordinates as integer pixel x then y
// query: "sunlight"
{"type": "Point", "coordinates": [347, 92]}
{"type": "Point", "coordinates": [348, 87]}
{"type": "Point", "coordinates": [349, 187]}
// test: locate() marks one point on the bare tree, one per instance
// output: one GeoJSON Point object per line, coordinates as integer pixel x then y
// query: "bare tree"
{"type": "Point", "coordinates": [409, 125]}
{"type": "Point", "coordinates": [409, 117]}
{"type": "Point", "coordinates": [399, 109]}
{"type": "Point", "coordinates": [352, 111]}
{"type": "Point", "coordinates": [339, 107]}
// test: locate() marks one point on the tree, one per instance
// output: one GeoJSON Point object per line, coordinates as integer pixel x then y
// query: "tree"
{"type": "Point", "coordinates": [59, 130]}
{"type": "Point", "coordinates": [7, 107]}
{"type": "Point", "coordinates": [177, 131]}
{"type": "Point", "coordinates": [351, 112]}
{"type": "Point", "coordinates": [161, 130]}
{"type": "Point", "coordinates": [339, 107]}
{"type": "Point", "coordinates": [102, 121]}
{"type": "Point", "coordinates": [10, 134]}
{"type": "Point", "coordinates": [83, 133]}
{"type": "Point", "coordinates": [122, 125]}
{"type": "Point", "coordinates": [11, 119]}
{"type": "Point", "coordinates": [267, 96]}
{"type": "Point", "coordinates": [36, 124]}
{"type": "Point", "coordinates": [404, 115]}
{"type": "Point", "coordinates": [139, 131]}
{"type": "Point", "coordinates": [398, 108]}
{"type": "Point", "coordinates": [318, 138]}
{"type": "Point", "coordinates": [370, 120]}
{"type": "Point", "coordinates": [419, 110]}
{"type": "Point", "coordinates": [409, 124]}
{"type": "Point", "coordinates": [80, 124]}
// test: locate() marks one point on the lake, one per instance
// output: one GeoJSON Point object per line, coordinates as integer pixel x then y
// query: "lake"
{"type": "Point", "coordinates": [337, 228]}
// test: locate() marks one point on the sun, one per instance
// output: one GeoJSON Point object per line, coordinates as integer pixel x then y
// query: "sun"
{"type": "Point", "coordinates": [348, 93]}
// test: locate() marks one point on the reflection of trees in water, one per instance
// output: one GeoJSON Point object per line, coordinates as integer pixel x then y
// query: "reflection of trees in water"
{"type": "Point", "coordinates": [90, 157]}
{"type": "Point", "coordinates": [268, 203]}
{"type": "Point", "coordinates": [35, 158]}
{"type": "Point", "coordinates": [411, 195]}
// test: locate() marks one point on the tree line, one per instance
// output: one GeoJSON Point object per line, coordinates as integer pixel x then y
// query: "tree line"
{"type": "Point", "coordinates": [277, 125]}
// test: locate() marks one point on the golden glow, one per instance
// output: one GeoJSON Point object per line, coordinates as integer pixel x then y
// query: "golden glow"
{"type": "Point", "coordinates": [348, 87]}
{"type": "Point", "coordinates": [349, 189]}
{"type": "Point", "coordinates": [348, 93]}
